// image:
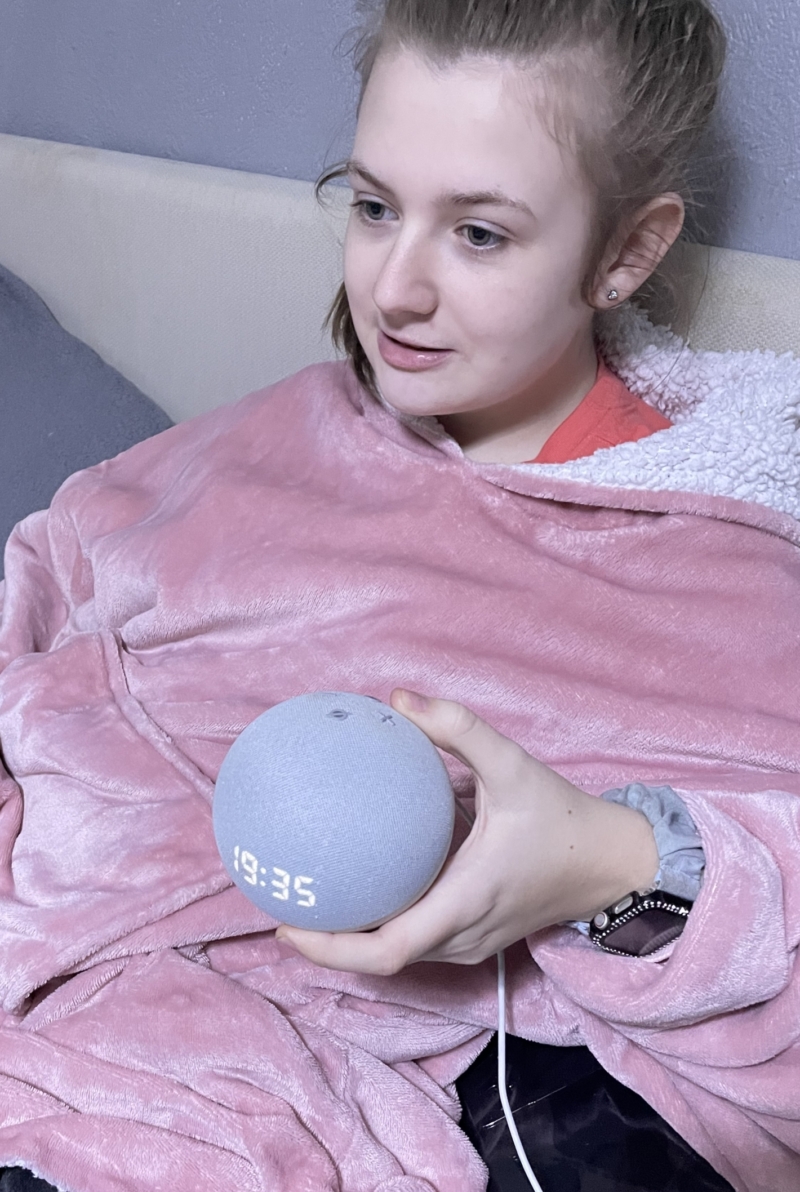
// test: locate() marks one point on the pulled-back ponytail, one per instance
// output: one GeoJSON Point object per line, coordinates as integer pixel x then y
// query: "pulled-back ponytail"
{"type": "Point", "coordinates": [634, 83]}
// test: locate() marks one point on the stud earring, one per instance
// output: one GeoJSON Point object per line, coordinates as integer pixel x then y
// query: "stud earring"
{"type": "Point", "coordinates": [612, 295]}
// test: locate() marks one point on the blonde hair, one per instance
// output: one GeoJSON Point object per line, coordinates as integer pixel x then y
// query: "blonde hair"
{"type": "Point", "coordinates": [652, 66]}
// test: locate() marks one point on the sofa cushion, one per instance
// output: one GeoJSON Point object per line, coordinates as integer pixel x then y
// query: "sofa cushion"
{"type": "Point", "coordinates": [63, 408]}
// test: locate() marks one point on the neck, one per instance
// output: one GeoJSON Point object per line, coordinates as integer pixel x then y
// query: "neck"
{"type": "Point", "coordinates": [515, 430]}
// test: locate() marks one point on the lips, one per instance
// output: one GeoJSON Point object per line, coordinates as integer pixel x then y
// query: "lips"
{"type": "Point", "coordinates": [410, 357]}
{"type": "Point", "coordinates": [404, 343]}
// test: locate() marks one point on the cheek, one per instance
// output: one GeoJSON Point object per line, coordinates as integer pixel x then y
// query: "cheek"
{"type": "Point", "coordinates": [522, 310]}
{"type": "Point", "coordinates": [360, 272]}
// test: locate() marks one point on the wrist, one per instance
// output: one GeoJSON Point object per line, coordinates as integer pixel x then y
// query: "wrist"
{"type": "Point", "coordinates": [618, 854]}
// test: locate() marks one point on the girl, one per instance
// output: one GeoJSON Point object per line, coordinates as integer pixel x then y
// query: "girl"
{"type": "Point", "coordinates": [516, 169]}
{"type": "Point", "coordinates": [442, 510]}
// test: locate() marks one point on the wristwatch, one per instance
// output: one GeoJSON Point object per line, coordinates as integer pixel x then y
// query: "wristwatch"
{"type": "Point", "coordinates": [641, 923]}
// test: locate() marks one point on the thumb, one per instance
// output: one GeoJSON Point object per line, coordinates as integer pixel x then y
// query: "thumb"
{"type": "Point", "coordinates": [458, 730]}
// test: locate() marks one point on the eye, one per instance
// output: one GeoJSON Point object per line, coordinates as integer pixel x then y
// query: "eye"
{"type": "Point", "coordinates": [370, 210]}
{"type": "Point", "coordinates": [479, 237]}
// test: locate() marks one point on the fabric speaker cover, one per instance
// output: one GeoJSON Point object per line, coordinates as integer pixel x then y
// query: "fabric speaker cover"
{"type": "Point", "coordinates": [333, 812]}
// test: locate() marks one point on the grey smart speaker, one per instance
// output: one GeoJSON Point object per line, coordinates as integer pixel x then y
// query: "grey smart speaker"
{"type": "Point", "coordinates": [333, 812]}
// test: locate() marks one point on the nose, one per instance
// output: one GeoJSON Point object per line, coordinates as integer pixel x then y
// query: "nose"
{"type": "Point", "coordinates": [405, 288]}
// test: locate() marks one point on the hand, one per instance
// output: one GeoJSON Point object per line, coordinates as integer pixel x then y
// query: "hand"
{"type": "Point", "coordinates": [541, 851]}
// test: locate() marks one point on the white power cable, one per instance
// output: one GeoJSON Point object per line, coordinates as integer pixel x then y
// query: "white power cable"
{"type": "Point", "coordinates": [501, 1072]}
{"type": "Point", "coordinates": [501, 1049]}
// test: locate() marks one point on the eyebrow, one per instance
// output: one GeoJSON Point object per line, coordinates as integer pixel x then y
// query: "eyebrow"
{"type": "Point", "coordinates": [453, 198]}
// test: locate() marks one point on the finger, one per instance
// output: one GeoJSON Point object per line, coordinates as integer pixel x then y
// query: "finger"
{"type": "Point", "coordinates": [340, 950]}
{"type": "Point", "coordinates": [494, 758]}
{"type": "Point", "coordinates": [379, 953]}
{"type": "Point", "coordinates": [440, 916]}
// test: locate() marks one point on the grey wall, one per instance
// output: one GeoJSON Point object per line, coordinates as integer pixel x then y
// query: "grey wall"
{"type": "Point", "coordinates": [260, 85]}
{"type": "Point", "coordinates": [760, 121]}
{"type": "Point", "coordinates": [251, 84]}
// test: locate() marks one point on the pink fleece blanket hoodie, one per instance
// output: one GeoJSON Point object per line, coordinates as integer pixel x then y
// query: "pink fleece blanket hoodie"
{"type": "Point", "coordinates": [629, 617]}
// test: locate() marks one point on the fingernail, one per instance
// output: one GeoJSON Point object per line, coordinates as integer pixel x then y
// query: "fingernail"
{"type": "Point", "coordinates": [415, 701]}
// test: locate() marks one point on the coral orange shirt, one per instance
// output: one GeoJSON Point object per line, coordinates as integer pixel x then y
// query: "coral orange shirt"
{"type": "Point", "coordinates": [608, 415]}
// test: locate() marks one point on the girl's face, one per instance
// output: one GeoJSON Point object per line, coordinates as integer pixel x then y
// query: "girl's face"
{"type": "Point", "coordinates": [466, 249]}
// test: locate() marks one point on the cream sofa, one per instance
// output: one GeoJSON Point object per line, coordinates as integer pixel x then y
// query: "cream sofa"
{"type": "Point", "coordinates": [200, 284]}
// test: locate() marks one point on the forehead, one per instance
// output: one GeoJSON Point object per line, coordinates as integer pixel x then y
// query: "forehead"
{"type": "Point", "coordinates": [474, 124]}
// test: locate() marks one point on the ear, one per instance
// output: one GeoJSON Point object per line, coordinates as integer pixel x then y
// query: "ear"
{"type": "Point", "coordinates": [637, 249]}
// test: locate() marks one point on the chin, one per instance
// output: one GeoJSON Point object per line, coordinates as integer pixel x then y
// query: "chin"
{"type": "Point", "coordinates": [420, 395]}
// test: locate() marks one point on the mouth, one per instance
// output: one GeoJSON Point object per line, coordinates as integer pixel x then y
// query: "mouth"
{"type": "Point", "coordinates": [404, 343]}
{"type": "Point", "coordinates": [410, 357]}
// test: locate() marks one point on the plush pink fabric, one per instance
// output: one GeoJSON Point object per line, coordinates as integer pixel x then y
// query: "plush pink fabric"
{"type": "Point", "coordinates": [153, 1034]}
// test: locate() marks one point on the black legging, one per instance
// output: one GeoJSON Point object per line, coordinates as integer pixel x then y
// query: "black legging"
{"type": "Point", "coordinates": [16, 1179]}
{"type": "Point", "coordinates": [582, 1130]}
